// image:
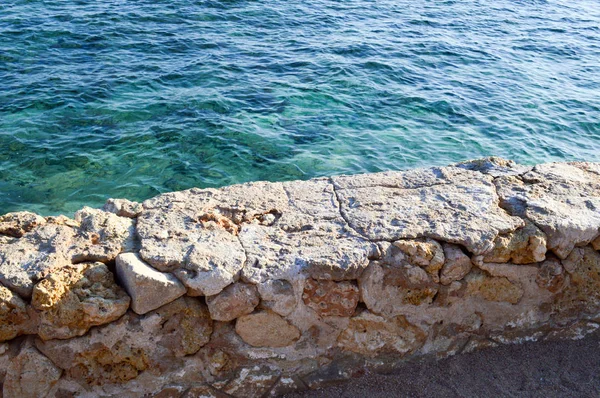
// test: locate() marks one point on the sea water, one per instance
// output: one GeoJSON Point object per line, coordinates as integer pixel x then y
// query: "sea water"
{"type": "Point", "coordinates": [112, 98]}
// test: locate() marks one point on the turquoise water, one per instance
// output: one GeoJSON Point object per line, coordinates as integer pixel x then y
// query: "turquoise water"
{"type": "Point", "coordinates": [132, 98]}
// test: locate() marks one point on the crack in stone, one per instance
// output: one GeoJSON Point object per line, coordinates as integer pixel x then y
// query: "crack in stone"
{"type": "Point", "coordinates": [341, 212]}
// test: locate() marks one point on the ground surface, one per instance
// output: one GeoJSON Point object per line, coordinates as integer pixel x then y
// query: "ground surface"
{"type": "Point", "coordinates": [547, 369]}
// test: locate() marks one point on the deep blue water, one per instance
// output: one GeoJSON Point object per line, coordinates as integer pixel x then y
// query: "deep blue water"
{"type": "Point", "coordinates": [133, 98]}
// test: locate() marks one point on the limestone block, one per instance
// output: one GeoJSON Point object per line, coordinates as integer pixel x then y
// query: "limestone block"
{"type": "Point", "coordinates": [370, 335]}
{"type": "Point", "coordinates": [23, 262]}
{"type": "Point", "coordinates": [581, 295]}
{"type": "Point", "coordinates": [73, 299]}
{"type": "Point", "coordinates": [456, 266]}
{"type": "Point", "coordinates": [14, 318]}
{"type": "Point", "coordinates": [149, 289]}
{"type": "Point", "coordinates": [205, 256]}
{"type": "Point", "coordinates": [551, 275]}
{"type": "Point", "coordinates": [526, 245]}
{"type": "Point", "coordinates": [388, 288]}
{"type": "Point", "coordinates": [330, 298]}
{"type": "Point", "coordinates": [103, 235]}
{"type": "Point", "coordinates": [186, 325]}
{"type": "Point", "coordinates": [450, 204]}
{"type": "Point", "coordinates": [493, 288]}
{"type": "Point", "coordinates": [234, 301]}
{"type": "Point", "coordinates": [596, 243]}
{"type": "Point", "coordinates": [562, 199]}
{"type": "Point", "coordinates": [19, 223]}
{"type": "Point", "coordinates": [278, 296]}
{"type": "Point", "coordinates": [30, 375]}
{"type": "Point", "coordinates": [426, 253]}
{"type": "Point", "coordinates": [123, 207]}
{"type": "Point", "coordinates": [266, 329]}
{"type": "Point", "coordinates": [121, 351]}
{"type": "Point", "coordinates": [319, 253]}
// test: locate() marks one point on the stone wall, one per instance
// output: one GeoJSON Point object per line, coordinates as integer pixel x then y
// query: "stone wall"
{"type": "Point", "coordinates": [264, 288]}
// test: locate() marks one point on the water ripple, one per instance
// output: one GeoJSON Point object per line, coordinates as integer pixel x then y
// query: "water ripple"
{"type": "Point", "coordinates": [129, 99]}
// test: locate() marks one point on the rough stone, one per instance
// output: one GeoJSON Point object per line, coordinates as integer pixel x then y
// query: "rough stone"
{"type": "Point", "coordinates": [278, 296]}
{"type": "Point", "coordinates": [526, 245]}
{"type": "Point", "coordinates": [562, 199]}
{"type": "Point", "coordinates": [450, 204]}
{"type": "Point", "coordinates": [19, 223]}
{"type": "Point", "coordinates": [596, 243]}
{"type": "Point", "coordinates": [576, 331]}
{"type": "Point", "coordinates": [456, 266]}
{"type": "Point", "coordinates": [309, 236]}
{"type": "Point", "coordinates": [287, 385]}
{"type": "Point", "coordinates": [551, 275]}
{"type": "Point", "coordinates": [14, 318]}
{"type": "Point", "coordinates": [25, 261]}
{"type": "Point", "coordinates": [388, 288]}
{"type": "Point", "coordinates": [425, 253]}
{"type": "Point", "coordinates": [582, 293]}
{"type": "Point", "coordinates": [339, 370]}
{"type": "Point", "coordinates": [149, 289]}
{"type": "Point", "coordinates": [8, 352]}
{"type": "Point", "coordinates": [123, 207]}
{"type": "Point", "coordinates": [330, 298]}
{"type": "Point", "coordinates": [120, 352]}
{"type": "Point", "coordinates": [266, 329]}
{"type": "Point", "coordinates": [494, 166]}
{"type": "Point", "coordinates": [370, 335]}
{"type": "Point", "coordinates": [493, 288]}
{"type": "Point", "coordinates": [194, 235]}
{"type": "Point", "coordinates": [73, 299]}
{"type": "Point", "coordinates": [105, 235]}
{"type": "Point", "coordinates": [186, 325]}
{"type": "Point", "coordinates": [234, 301]}
{"type": "Point", "coordinates": [30, 374]}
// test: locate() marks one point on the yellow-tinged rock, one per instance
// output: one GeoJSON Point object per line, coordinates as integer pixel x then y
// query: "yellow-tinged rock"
{"type": "Point", "coordinates": [266, 329]}
{"type": "Point", "coordinates": [73, 299]}
{"type": "Point", "coordinates": [526, 245]}
{"type": "Point", "coordinates": [582, 293]}
{"type": "Point", "coordinates": [493, 288]}
{"type": "Point", "coordinates": [13, 314]}
{"type": "Point", "coordinates": [369, 334]}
